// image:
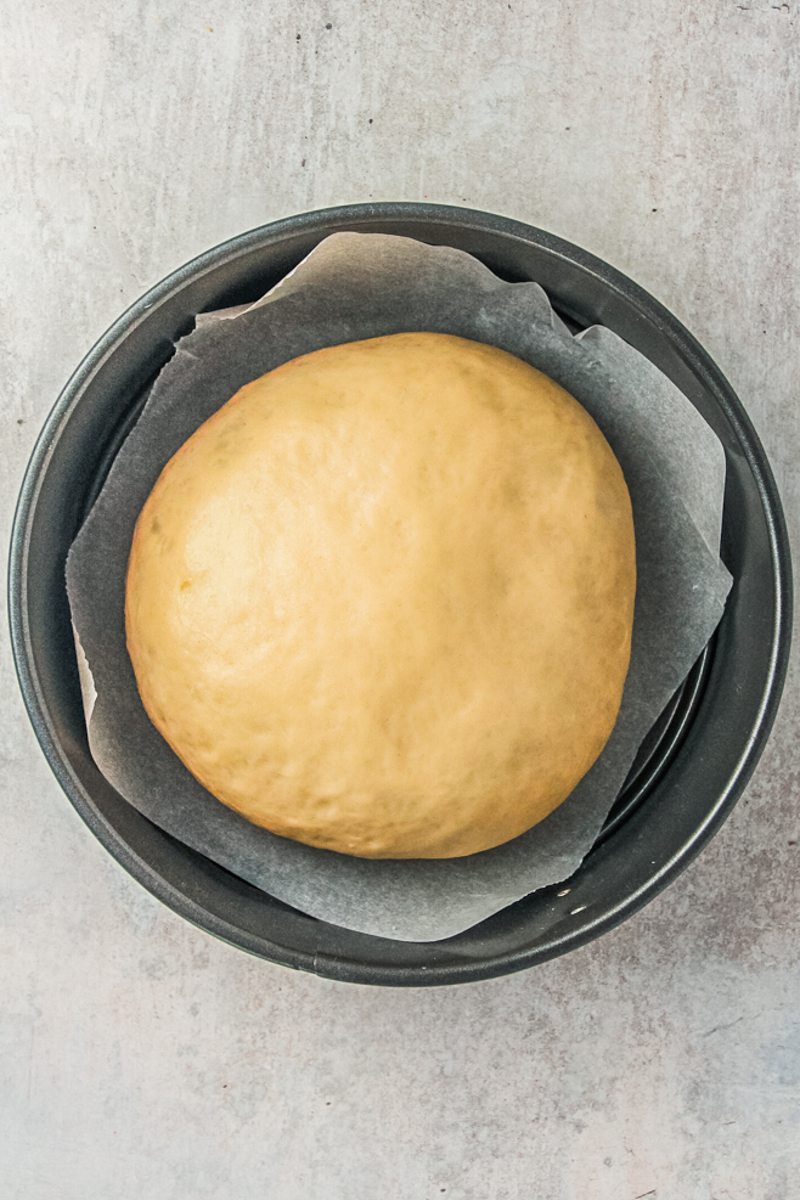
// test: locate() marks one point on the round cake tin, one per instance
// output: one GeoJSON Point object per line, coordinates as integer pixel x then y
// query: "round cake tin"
{"type": "Point", "coordinates": [694, 765]}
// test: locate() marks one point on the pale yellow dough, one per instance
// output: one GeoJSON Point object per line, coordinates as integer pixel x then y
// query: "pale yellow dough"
{"type": "Point", "coordinates": [381, 602]}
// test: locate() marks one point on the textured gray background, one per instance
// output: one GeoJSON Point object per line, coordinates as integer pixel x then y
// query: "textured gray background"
{"type": "Point", "coordinates": [140, 1058]}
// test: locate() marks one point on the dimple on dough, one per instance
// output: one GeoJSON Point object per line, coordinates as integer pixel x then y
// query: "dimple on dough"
{"type": "Point", "coordinates": [381, 602]}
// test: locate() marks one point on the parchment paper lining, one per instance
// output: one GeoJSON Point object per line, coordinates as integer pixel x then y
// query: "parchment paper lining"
{"type": "Point", "coordinates": [363, 285]}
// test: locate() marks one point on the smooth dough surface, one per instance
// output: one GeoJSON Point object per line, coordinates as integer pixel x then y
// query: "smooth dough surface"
{"type": "Point", "coordinates": [381, 602]}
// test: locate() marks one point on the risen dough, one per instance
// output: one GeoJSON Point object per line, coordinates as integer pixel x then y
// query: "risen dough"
{"type": "Point", "coordinates": [381, 602]}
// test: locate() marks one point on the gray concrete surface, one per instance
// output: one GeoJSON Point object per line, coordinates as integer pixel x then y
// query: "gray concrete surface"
{"type": "Point", "coordinates": [140, 1058]}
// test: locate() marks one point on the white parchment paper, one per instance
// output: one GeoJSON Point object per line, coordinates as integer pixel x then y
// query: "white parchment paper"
{"type": "Point", "coordinates": [357, 286]}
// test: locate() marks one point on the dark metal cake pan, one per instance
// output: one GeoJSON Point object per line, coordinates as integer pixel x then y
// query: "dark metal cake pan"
{"type": "Point", "coordinates": [695, 765]}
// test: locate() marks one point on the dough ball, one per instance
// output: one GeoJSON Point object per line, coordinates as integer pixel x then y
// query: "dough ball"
{"type": "Point", "coordinates": [381, 602]}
